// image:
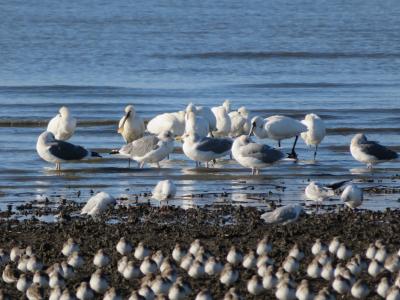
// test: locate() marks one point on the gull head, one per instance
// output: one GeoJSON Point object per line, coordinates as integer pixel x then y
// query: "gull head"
{"type": "Point", "coordinates": [359, 138]}
{"type": "Point", "coordinates": [64, 111]}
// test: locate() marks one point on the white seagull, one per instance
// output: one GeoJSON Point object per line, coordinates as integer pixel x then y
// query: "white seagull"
{"type": "Point", "coordinates": [98, 203]}
{"type": "Point", "coordinates": [55, 151]}
{"type": "Point", "coordinates": [131, 126]}
{"type": "Point", "coordinates": [240, 123]}
{"type": "Point", "coordinates": [315, 131]}
{"type": "Point", "coordinates": [278, 128]}
{"type": "Point", "coordinates": [370, 152]}
{"type": "Point", "coordinates": [173, 122]}
{"type": "Point", "coordinates": [253, 155]}
{"type": "Point", "coordinates": [283, 215]}
{"type": "Point", "coordinates": [205, 149]}
{"type": "Point", "coordinates": [318, 192]}
{"type": "Point", "coordinates": [62, 125]}
{"type": "Point", "coordinates": [164, 190]}
{"type": "Point", "coordinates": [352, 196]}
{"type": "Point", "coordinates": [149, 149]}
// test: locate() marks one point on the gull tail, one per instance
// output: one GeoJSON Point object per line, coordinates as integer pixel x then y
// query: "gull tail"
{"type": "Point", "coordinates": [95, 154]}
{"type": "Point", "coordinates": [336, 185]}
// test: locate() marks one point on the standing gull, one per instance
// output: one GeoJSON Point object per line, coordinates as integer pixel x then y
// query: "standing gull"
{"type": "Point", "coordinates": [131, 126]}
{"type": "Point", "coordinates": [352, 196]}
{"type": "Point", "coordinates": [164, 190]}
{"type": "Point", "coordinates": [278, 128]}
{"type": "Point", "coordinates": [315, 131]}
{"type": "Point", "coordinates": [55, 151]}
{"type": "Point", "coordinates": [149, 149]}
{"type": "Point", "coordinates": [370, 152]}
{"type": "Point", "coordinates": [318, 192]}
{"type": "Point", "coordinates": [62, 125]}
{"type": "Point", "coordinates": [205, 149]}
{"type": "Point", "coordinates": [253, 155]}
{"type": "Point", "coordinates": [283, 215]}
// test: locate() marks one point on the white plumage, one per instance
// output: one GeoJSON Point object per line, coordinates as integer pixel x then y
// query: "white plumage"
{"type": "Point", "coordinates": [240, 123]}
{"type": "Point", "coordinates": [131, 126]}
{"type": "Point", "coordinates": [315, 131]}
{"type": "Point", "coordinates": [164, 190]}
{"type": "Point", "coordinates": [62, 125]}
{"type": "Point", "coordinates": [352, 196]}
{"type": "Point", "coordinates": [196, 124]}
{"type": "Point", "coordinates": [98, 203]}
{"type": "Point", "coordinates": [283, 215]}
{"type": "Point", "coordinates": [223, 124]}
{"type": "Point", "coordinates": [173, 122]}
{"type": "Point", "coordinates": [317, 192]}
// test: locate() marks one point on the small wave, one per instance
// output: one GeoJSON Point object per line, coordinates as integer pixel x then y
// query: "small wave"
{"type": "Point", "coordinates": [262, 55]}
{"type": "Point", "coordinates": [352, 130]}
{"type": "Point", "coordinates": [308, 85]}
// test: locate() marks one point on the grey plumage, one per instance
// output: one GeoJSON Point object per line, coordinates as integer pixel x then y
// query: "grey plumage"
{"type": "Point", "coordinates": [143, 145]}
{"type": "Point", "coordinates": [216, 145]}
{"type": "Point", "coordinates": [283, 215]}
{"type": "Point", "coordinates": [377, 150]}
{"type": "Point", "coordinates": [262, 152]}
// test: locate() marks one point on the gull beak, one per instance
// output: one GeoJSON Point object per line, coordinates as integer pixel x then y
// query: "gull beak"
{"type": "Point", "coordinates": [121, 128]}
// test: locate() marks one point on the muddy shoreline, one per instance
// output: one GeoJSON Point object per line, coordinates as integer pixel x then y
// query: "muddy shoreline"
{"type": "Point", "coordinates": [218, 230]}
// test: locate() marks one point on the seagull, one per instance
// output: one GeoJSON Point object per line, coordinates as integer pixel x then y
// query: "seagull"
{"type": "Point", "coordinates": [164, 190]}
{"type": "Point", "coordinates": [278, 128]}
{"type": "Point", "coordinates": [173, 122]}
{"type": "Point", "coordinates": [205, 149]}
{"type": "Point", "coordinates": [56, 151]}
{"type": "Point", "coordinates": [131, 126]}
{"type": "Point", "coordinates": [352, 196]}
{"type": "Point", "coordinates": [98, 203]}
{"type": "Point", "coordinates": [240, 123]}
{"type": "Point", "coordinates": [62, 125]}
{"type": "Point", "coordinates": [223, 126]}
{"type": "Point", "coordinates": [315, 133]}
{"type": "Point", "coordinates": [370, 152]}
{"type": "Point", "coordinates": [149, 149]}
{"type": "Point", "coordinates": [318, 192]}
{"type": "Point", "coordinates": [283, 215]}
{"type": "Point", "coordinates": [253, 155]}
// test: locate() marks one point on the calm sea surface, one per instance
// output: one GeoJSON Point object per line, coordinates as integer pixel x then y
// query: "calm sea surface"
{"type": "Point", "coordinates": [339, 59]}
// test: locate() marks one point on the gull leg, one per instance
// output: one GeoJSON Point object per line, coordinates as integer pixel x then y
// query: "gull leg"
{"type": "Point", "coordinates": [293, 154]}
{"type": "Point", "coordinates": [279, 143]}
{"type": "Point", "coordinates": [141, 165]}
{"type": "Point", "coordinates": [207, 164]}
{"type": "Point", "coordinates": [129, 163]}
{"type": "Point", "coordinates": [158, 165]}
{"type": "Point", "coordinates": [253, 171]}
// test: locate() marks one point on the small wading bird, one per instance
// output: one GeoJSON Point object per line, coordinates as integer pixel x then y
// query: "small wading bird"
{"type": "Point", "coordinates": [55, 151]}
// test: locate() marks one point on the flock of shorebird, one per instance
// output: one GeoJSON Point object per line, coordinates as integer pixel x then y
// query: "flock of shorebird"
{"type": "Point", "coordinates": [333, 265]}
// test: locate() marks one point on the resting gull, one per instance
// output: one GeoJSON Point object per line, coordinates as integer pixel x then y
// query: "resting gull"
{"type": "Point", "coordinates": [283, 215]}
{"type": "Point", "coordinates": [205, 149]}
{"type": "Point", "coordinates": [98, 203]}
{"type": "Point", "coordinates": [149, 149]}
{"type": "Point", "coordinates": [253, 155]}
{"type": "Point", "coordinates": [164, 190]}
{"type": "Point", "coordinates": [131, 126]}
{"type": "Point", "coordinates": [62, 125]}
{"type": "Point", "coordinates": [370, 152]}
{"type": "Point", "coordinates": [55, 151]}
{"type": "Point", "coordinates": [315, 131]}
{"type": "Point", "coordinates": [352, 196]}
{"type": "Point", "coordinates": [278, 128]}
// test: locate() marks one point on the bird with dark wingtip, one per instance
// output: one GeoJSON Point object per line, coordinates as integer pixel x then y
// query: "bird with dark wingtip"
{"type": "Point", "coordinates": [55, 151]}
{"type": "Point", "coordinates": [370, 152]}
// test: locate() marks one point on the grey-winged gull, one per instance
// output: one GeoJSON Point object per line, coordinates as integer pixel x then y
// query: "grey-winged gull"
{"type": "Point", "coordinates": [131, 126]}
{"type": "Point", "coordinates": [370, 152]}
{"type": "Point", "coordinates": [352, 196]}
{"type": "Point", "coordinates": [205, 149]}
{"type": "Point", "coordinates": [55, 151]}
{"type": "Point", "coordinates": [283, 215]}
{"type": "Point", "coordinates": [149, 149]}
{"type": "Point", "coordinates": [278, 128]}
{"type": "Point", "coordinates": [253, 155]}
{"type": "Point", "coordinates": [62, 125]}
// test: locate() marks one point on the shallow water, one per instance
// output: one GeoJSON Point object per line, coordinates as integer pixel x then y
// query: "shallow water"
{"type": "Point", "coordinates": [339, 60]}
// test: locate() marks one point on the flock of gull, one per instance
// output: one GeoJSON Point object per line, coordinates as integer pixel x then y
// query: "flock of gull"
{"type": "Point", "coordinates": [209, 134]}
{"type": "Point", "coordinates": [159, 275]}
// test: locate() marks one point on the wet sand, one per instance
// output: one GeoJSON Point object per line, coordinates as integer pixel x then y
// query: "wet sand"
{"type": "Point", "coordinates": [218, 229]}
